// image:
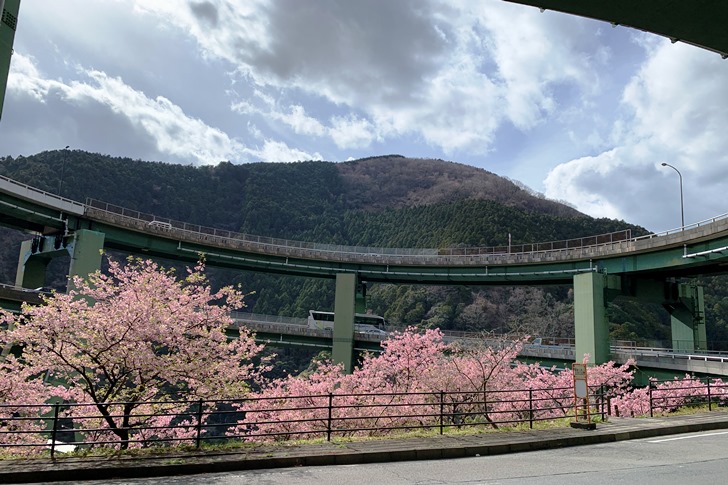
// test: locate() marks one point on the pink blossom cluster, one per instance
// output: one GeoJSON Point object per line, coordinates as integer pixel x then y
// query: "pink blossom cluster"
{"type": "Point", "coordinates": [419, 381]}
{"type": "Point", "coordinates": [668, 396]}
{"type": "Point", "coordinates": [134, 335]}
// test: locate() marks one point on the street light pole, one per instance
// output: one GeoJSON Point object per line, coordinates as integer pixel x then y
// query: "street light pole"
{"type": "Point", "coordinates": [63, 170]}
{"type": "Point", "coordinates": [682, 209]}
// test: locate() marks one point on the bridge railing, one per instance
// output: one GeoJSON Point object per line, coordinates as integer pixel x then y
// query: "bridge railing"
{"type": "Point", "coordinates": [541, 247]}
{"type": "Point", "coordinates": [536, 346]}
{"type": "Point", "coordinates": [579, 248]}
{"type": "Point", "coordinates": [262, 318]}
{"type": "Point", "coordinates": [680, 230]}
{"type": "Point", "coordinates": [37, 195]}
{"type": "Point", "coordinates": [523, 253]}
{"type": "Point", "coordinates": [35, 428]}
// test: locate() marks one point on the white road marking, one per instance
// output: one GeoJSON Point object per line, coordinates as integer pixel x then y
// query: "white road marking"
{"type": "Point", "coordinates": [688, 437]}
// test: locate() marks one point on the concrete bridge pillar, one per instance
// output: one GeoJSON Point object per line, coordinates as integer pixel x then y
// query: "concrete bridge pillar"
{"type": "Point", "coordinates": [83, 246]}
{"type": "Point", "coordinates": [592, 292]}
{"type": "Point", "coordinates": [31, 272]}
{"type": "Point", "coordinates": [86, 251]}
{"type": "Point", "coordinates": [687, 317]}
{"type": "Point", "coordinates": [342, 351]}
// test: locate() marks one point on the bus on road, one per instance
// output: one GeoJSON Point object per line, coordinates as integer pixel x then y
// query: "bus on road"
{"type": "Point", "coordinates": [363, 322]}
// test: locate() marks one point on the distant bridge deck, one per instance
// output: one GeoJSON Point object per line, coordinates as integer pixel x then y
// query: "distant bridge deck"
{"type": "Point", "coordinates": [284, 330]}
{"type": "Point", "coordinates": [280, 330]}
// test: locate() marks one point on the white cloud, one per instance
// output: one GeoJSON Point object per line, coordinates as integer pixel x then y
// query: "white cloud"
{"type": "Point", "coordinates": [351, 132]}
{"type": "Point", "coordinates": [675, 109]}
{"type": "Point", "coordinates": [575, 181]}
{"type": "Point", "coordinates": [301, 124]}
{"type": "Point", "coordinates": [175, 134]}
{"type": "Point", "coordinates": [448, 72]}
{"type": "Point", "coordinates": [680, 103]}
{"type": "Point", "coordinates": [276, 151]}
{"type": "Point", "coordinates": [25, 78]}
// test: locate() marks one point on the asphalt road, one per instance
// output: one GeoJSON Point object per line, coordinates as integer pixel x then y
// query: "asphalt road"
{"type": "Point", "coordinates": [677, 459]}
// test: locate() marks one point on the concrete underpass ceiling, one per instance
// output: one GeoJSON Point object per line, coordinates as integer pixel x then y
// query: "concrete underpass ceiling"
{"type": "Point", "coordinates": [702, 23]}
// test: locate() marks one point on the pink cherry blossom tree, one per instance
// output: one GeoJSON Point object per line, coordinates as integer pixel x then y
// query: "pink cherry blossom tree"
{"type": "Point", "coordinates": [667, 396]}
{"type": "Point", "coordinates": [136, 335]}
{"type": "Point", "coordinates": [21, 405]}
{"type": "Point", "coordinates": [414, 382]}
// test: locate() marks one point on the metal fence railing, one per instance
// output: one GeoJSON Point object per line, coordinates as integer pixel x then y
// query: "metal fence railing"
{"type": "Point", "coordinates": [64, 426]}
{"type": "Point", "coordinates": [670, 395]}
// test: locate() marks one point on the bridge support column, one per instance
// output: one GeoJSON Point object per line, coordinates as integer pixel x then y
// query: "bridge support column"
{"type": "Point", "coordinates": [344, 309]}
{"type": "Point", "coordinates": [590, 316]}
{"type": "Point", "coordinates": [31, 272]}
{"type": "Point", "coordinates": [687, 318]}
{"type": "Point", "coordinates": [86, 250]}
{"type": "Point", "coordinates": [83, 246]}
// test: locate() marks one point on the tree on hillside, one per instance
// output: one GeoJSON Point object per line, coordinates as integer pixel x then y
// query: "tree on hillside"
{"type": "Point", "coordinates": [134, 335]}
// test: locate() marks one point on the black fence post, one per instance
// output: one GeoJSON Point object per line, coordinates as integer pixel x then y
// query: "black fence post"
{"type": "Point", "coordinates": [649, 390]}
{"type": "Point", "coordinates": [442, 410]}
{"type": "Point", "coordinates": [530, 408]}
{"type": "Point", "coordinates": [199, 424]}
{"type": "Point", "coordinates": [328, 423]}
{"type": "Point", "coordinates": [54, 431]}
{"type": "Point", "coordinates": [710, 408]}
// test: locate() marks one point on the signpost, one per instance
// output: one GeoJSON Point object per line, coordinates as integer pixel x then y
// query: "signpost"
{"type": "Point", "coordinates": [582, 409]}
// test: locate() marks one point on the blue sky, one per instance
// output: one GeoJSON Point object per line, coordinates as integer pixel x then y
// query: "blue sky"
{"type": "Point", "coordinates": [573, 108]}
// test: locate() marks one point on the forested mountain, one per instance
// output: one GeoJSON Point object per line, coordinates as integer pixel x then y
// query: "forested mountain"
{"type": "Point", "coordinates": [388, 201]}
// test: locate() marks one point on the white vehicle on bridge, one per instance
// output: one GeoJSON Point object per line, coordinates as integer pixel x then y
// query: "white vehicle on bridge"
{"type": "Point", "coordinates": [363, 322]}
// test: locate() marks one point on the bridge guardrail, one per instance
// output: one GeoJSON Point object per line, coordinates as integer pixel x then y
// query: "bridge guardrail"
{"type": "Point", "coordinates": [680, 230]}
{"type": "Point", "coordinates": [580, 248]}
{"type": "Point", "coordinates": [37, 195]}
{"type": "Point", "coordinates": [562, 347]}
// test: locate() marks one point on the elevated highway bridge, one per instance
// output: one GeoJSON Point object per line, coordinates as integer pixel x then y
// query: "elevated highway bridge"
{"type": "Point", "coordinates": [601, 268]}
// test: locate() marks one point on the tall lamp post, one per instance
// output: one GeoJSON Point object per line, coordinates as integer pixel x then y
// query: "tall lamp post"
{"type": "Point", "coordinates": [682, 209]}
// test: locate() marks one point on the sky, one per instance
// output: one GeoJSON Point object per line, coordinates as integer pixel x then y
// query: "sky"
{"type": "Point", "coordinates": [575, 109]}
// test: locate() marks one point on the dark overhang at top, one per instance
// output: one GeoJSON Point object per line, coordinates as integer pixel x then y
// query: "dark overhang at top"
{"type": "Point", "coordinates": [702, 23]}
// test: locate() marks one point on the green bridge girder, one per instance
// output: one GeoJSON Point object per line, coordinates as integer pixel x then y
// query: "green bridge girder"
{"type": "Point", "coordinates": [659, 261]}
